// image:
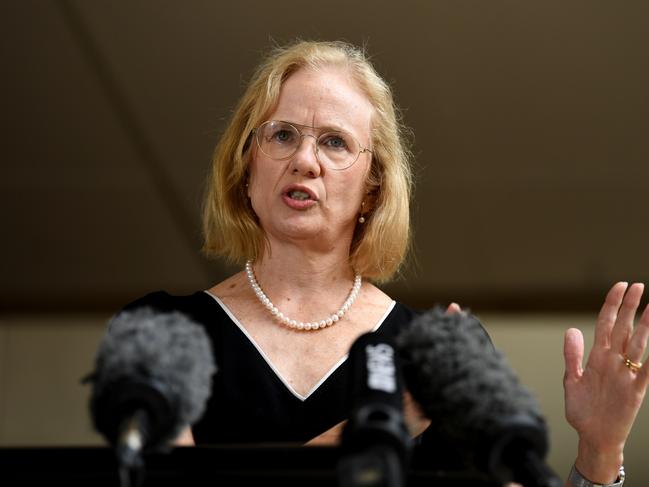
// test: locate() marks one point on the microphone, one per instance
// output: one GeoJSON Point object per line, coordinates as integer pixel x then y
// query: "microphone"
{"type": "Point", "coordinates": [474, 399]}
{"type": "Point", "coordinates": [152, 378]}
{"type": "Point", "coordinates": [376, 444]}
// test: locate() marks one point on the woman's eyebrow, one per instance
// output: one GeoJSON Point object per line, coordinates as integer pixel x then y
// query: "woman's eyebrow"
{"type": "Point", "coordinates": [323, 127]}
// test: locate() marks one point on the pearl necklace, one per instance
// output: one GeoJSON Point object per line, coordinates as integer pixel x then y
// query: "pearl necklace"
{"type": "Point", "coordinates": [298, 325]}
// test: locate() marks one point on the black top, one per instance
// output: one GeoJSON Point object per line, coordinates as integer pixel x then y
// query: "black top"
{"type": "Point", "coordinates": [250, 402]}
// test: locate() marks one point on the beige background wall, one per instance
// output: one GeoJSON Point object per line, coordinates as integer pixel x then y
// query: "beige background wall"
{"type": "Point", "coordinates": [43, 357]}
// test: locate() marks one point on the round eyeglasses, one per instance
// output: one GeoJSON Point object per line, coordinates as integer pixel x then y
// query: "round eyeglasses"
{"type": "Point", "coordinates": [335, 149]}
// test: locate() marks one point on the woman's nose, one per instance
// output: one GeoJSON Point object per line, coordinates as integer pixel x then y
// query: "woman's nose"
{"type": "Point", "coordinates": [305, 160]}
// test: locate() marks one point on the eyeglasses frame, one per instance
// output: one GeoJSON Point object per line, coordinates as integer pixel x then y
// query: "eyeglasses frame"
{"type": "Point", "coordinates": [297, 126]}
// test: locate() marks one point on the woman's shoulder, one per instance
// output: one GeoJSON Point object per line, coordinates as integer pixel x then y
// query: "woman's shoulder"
{"type": "Point", "coordinates": [406, 310]}
{"type": "Point", "coordinates": [198, 306]}
{"type": "Point", "coordinates": [398, 318]}
{"type": "Point", "coordinates": [402, 315]}
{"type": "Point", "coordinates": [163, 301]}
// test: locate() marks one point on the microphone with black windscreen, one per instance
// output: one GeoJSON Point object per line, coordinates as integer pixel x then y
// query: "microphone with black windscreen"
{"type": "Point", "coordinates": [475, 401]}
{"type": "Point", "coordinates": [376, 444]}
{"type": "Point", "coordinates": [152, 379]}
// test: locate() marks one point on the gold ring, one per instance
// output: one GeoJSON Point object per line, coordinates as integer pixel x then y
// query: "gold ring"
{"type": "Point", "coordinates": [631, 365]}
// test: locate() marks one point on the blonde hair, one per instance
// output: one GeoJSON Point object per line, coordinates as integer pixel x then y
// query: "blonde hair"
{"type": "Point", "coordinates": [230, 226]}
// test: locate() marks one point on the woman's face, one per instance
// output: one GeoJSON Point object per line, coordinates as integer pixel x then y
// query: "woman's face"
{"type": "Point", "coordinates": [300, 199]}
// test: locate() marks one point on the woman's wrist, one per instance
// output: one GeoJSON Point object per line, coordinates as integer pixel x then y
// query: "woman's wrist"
{"type": "Point", "coordinates": [599, 465]}
{"type": "Point", "coordinates": [576, 479]}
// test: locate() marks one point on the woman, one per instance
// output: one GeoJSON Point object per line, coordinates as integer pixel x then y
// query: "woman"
{"type": "Point", "coordinates": [310, 188]}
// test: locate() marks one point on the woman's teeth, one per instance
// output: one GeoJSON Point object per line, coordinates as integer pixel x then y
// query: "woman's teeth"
{"type": "Point", "coordinates": [299, 195]}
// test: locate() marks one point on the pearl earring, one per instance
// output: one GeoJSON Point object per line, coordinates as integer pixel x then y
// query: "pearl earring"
{"type": "Point", "coordinates": [361, 219]}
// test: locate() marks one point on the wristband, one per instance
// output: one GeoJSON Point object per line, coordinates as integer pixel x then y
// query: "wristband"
{"type": "Point", "coordinates": [576, 479]}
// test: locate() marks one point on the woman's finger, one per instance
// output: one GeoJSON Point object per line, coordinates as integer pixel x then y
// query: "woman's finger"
{"type": "Point", "coordinates": [453, 308]}
{"type": "Point", "coordinates": [637, 344]}
{"type": "Point", "coordinates": [608, 314]}
{"type": "Point", "coordinates": [573, 354]}
{"type": "Point", "coordinates": [624, 323]}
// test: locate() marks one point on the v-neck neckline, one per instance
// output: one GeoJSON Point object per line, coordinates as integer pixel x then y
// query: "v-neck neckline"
{"type": "Point", "coordinates": [272, 366]}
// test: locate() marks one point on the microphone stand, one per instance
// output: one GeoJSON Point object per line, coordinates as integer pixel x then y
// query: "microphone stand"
{"type": "Point", "coordinates": [130, 442]}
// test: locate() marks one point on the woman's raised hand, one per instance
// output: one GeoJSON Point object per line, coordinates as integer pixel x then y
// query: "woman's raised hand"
{"type": "Point", "coordinates": [602, 399]}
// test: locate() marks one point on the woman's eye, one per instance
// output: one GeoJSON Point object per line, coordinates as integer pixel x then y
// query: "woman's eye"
{"type": "Point", "coordinates": [334, 142]}
{"type": "Point", "coordinates": [282, 136]}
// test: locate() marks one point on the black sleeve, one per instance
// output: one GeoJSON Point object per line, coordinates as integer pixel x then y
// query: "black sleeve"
{"type": "Point", "coordinates": [158, 300]}
{"type": "Point", "coordinates": [193, 305]}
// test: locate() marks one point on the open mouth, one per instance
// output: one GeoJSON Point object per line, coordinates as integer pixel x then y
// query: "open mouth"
{"type": "Point", "coordinates": [299, 195]}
